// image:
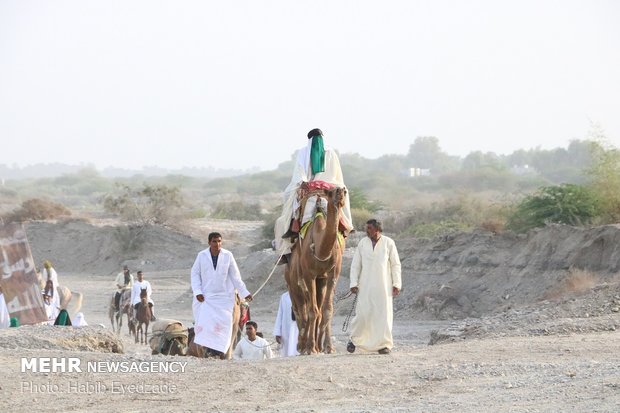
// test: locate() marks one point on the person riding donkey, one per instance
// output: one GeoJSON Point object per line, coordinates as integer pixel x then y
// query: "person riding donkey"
{"type": "Point", "coordinates": [124, 281]}
{"type": "Point", "coordinates": [136, 289]}
{"type": "Point", "coordinates": [316, 167]}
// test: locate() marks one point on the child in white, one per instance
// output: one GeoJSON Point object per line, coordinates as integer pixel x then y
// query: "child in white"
{"type": "Point", "coordinates": [252, 347]}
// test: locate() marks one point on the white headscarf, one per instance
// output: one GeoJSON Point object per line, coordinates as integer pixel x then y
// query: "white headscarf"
{"type": "Point", "coordinates": [79, 321]}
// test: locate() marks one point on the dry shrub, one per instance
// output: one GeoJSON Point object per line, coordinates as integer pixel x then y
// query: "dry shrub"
{"type": "Point", "coordinates": [360, 217]}
{"type": "Point", "coordinates": [577, 282]}
{"type": "Point", "coordinates": [37, 209]}
{"type": "Point", "coordinates": [494, 226]}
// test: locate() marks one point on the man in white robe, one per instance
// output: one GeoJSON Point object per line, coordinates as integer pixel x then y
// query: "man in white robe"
{"type": "Point", "coordinates": [49, 273]}
{"type": "Point", "coordinates": [137, 287]}
{"type": "Point", "coordinates": [375, 278]}
{"type": "Point", "coordinates": [5, 317]}
{"type": "Point", "coordinates": [252, 347]}
{"type": "Point", "coordinates": [123, 281]}
{"type": "Point", "coordinates": [285, 329]}
{"type": "Point", "coordinates": [51, 310]}
{"type": "Point", "coordinates": [214, 278]}
{"type": "Point", "coordinates": [303, 172]}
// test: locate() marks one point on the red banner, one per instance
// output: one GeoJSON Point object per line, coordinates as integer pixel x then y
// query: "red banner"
{"type": "Point", "coordinates": [21, 289]}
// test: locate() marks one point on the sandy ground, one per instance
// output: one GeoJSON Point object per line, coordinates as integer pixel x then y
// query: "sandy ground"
{"type": "Point", "coordinates": [499, 372]}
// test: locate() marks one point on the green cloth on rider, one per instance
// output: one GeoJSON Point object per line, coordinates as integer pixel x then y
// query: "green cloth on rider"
{"type": "Point", "coordinates": [317, 155]}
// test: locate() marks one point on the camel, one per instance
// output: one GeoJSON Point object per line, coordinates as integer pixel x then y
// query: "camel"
{"type": "Point", "coordinates": [312, 272]}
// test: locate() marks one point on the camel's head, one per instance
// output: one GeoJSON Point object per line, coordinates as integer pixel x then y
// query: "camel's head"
{"type": "Point", "coordinates": [337, 196]}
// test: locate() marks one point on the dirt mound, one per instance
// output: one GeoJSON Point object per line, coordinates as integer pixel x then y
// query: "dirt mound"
{"type": "Point", "coordinates": [79, 247]}
{"type": "Point", "coordinates": [61, 338]}
{"type": "Point", "coordinates": [474, 274]}
{"type": "Point", "coordinates": [454, 277]}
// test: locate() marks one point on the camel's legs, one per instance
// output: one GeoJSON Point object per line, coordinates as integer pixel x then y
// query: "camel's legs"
{"type": "Point", "coordinates": [314, 316]}
{"type": "Point", "coordinates": [321, 289]}
{"type": "Point", "coordinates": [325, 338]}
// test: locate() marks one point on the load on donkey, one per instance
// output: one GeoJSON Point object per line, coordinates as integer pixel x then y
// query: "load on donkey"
{"type": "Point", "coordinates": [314, 265]}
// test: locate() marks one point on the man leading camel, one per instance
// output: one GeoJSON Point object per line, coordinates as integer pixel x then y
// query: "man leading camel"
{"type": "Point", "coordinates": [375, 278]}
{"type": "Point", "coordinates": [314, 162]}
{"type": "Point", "coordinates": [214, 278]}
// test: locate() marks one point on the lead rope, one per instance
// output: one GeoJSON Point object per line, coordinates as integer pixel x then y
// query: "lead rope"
{"type": "Point", "coordinates": [345, 325]}
{"type": "Point", "coordinates": [269, 276]}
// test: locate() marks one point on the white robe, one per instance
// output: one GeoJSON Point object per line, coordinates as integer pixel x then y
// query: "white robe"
{"type": "Point", "coordinates": [258, 349]}
{"type": "Point", "coordinates": [51, 311]}
{"type": "Point", "coordinates": [54, 277]}
{"type": "Point", "coordinates": [286, 328]}
{"type": "Point", "coordinates": [79, 320]}
{"type": "Point", "coordinates": [303, 173]}
{"type": "Point", "coordinates": [374, 272]}
{"type": "Point", "coordinates": [136, 289]}
{"type": "Point", "coordinates": [213, 317]}
{"type": "Point", "coordinates": [5, 317]}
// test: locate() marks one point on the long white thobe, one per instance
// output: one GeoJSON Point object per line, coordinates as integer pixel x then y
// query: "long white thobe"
{"type": "Point", "coordinates": [5, 317]}
{"type": "Point", "coordinates": [51, 311]}
{"type": "Point", "coordinates": [286, 327]}
{"type": "Point", "coordinates": [374, 272]}
{"type": "Point", "coordinates": [214, 316]}
{"type": "Point", "coordinates": [54, 277]}
{"type": "Point", "coordinates": [302, 172]}
{"type": "Point", "coordinates": [258, 349]}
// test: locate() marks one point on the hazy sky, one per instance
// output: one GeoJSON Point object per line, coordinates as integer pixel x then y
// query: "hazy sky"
{"type": "Point", "coordinates": [237, 84]}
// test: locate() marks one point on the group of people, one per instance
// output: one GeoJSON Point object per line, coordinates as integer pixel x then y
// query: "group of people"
{"type": "Point", "coordinates": [124, 281]}
{"type": "Point", "coordinates": [51, 300]}
{"type": "Point", "coordinates": [51, 303]}
{"type": "Point", "coordinates": [375, 274]}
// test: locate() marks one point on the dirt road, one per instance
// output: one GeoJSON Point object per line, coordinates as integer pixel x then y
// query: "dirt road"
{"type": "Point", "coordinates": [557, 373]}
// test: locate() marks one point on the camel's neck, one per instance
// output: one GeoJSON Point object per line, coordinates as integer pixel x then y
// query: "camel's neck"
{"type": "Point", "coordinates": [324, 245]}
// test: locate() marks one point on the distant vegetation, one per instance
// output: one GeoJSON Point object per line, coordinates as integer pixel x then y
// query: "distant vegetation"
{"type": "Point", "coordinates": [151, 204]}
{"type": "Point", "coordinates": [577, 185]}
{"type": "Point", "coordinates": [36, 209]}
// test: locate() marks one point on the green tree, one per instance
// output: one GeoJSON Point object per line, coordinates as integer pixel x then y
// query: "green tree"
{"type": "Point", "coordinates": [604, 176]}
{"type": "Point", "coordinates": [562, 204]}
{"type": "Point", "coordinates": [359, 200]}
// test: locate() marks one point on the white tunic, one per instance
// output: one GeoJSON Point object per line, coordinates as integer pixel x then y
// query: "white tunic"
{"type": "Point", "coordinates": [258, 349]}
{"type": "Point", "coordinates": [51, 311]}
{"type": "Point", "coordinates": [79, 320]}
{"type": "Point", "coordinates": [303, 173]}
{"type": "Point", "coordinates": [54, 277]}
{"type": "Point", "coordinates": [374, 272]}
{"type": "Point", "coordinates": [286, 327]}
{"type": "Point", "coordinates": [5, 318]}
{"type": "Point", "coordinates": [213, 317]}
{"type": "Point", "coordinates": [137, 287]}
